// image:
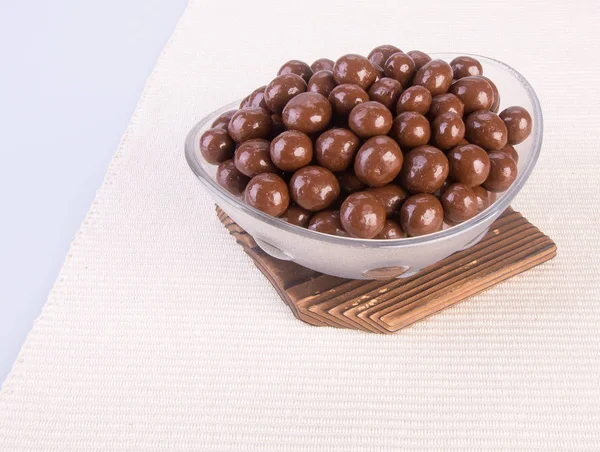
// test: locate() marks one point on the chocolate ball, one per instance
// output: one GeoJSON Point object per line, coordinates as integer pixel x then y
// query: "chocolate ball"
{"type": "Point", "coordinates": [282, 89]}
{"type": "Point", "coordinates": [496, 102]}
{"type": "Point", "coordinates": [459, 203]}
{"type": "Point", "coordinates": [362, 215]}
{"type": "Point", "coordinates": [420, 58]}
{"type": "Point", "coordinates": [297, 216]}
{"type": "Point", "coordinates": [410, 129]}
{"type": "Point", "coordinates": [222, 120]}
{"type": "Point", "coordinates": [386, 91]}
{"type": "Point", "coordinates": [391, 196]}
{"type": "Point", "coordinates": [230, 178]}
{"type": "Point", "coordinates": [511, 152]}
{"type": "Point", "coordinates": [322, 64]}
{"type": "Point", "coordinates": [485, 128]}
{"type": "Point", "coordinates": [503, 172]}
{"type": "Point", "coordinates": [322, 82]}
{"type": "Point", "coordinates": [345, 97]}
{"type": "Point", "coordinates": [314, 188]}
{"type": "Point", "coordinates": [380, 54]}
{"type": "Point", "coordinates": [469, 165]}
{"type": "Point", "coordinates": [335, 149]}
{"type": "Point", "coordinates": [253, 158]}
{"type": "Point", "coordinates": [518, 124]}
{"type": "Point", "coordinates": [424, 171]}
{"type": "Point", "coordinates": [249, 123]}
{"type": "Point", "coordinates": [416, 98]}
{"type": "Point", "coordinates": [436, 76]}
{"type": "Point", "coordinates": [245, 102]}
{"type": "Point", "coordinates": [421, 214]}
{"type": "Point", "coordinates": [268, 193]}
{"type": "Point", "coordinates": [371, 118]}
{"type": "Point", "coordinates": [216, 146]}
{"type": "Point", "coordinates": [378, 161]}
{"type": "Point", "coordinates": [307, 112]}
{"type": "Point", "coordinates": [296, 67]}
{"type": "Point", "coordinates": [257, 98]}
{"type": "Point", "coordinates": [482, 198]}
{"type": "Point", "coordinates": [354, 69]}
{"type": "Point", "coordinates": [327, 222]}
{"type": "Point", "coordinates": [291, 150]}
{"type": "Point", "coordinates": [464, 66]}
{"type": "Point", "coordinates": [474, 92]}
{"type": "Point", "coordinates": [349, 183]}
{"type": "Point", "coordinates": [447, 131]}
{"type": "Point", "coordinates": [446, 103]}
{"type": "Point", "coordinates": [391, 230]}
{"type": "Point", "coordinates": [401, 67]}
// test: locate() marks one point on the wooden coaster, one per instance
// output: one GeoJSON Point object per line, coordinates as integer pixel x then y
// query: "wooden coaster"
{"type": "Point", "coordinates": [512, 245]}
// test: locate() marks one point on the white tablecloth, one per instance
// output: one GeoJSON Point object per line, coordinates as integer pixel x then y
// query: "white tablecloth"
{"type": "Point", "coordinates": [161, 334]}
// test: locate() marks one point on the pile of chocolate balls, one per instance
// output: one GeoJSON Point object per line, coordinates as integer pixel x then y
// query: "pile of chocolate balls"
{"type": "Point", "coordinates": [383, 147]}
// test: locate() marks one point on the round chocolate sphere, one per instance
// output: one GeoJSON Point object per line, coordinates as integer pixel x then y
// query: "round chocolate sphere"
{"type": "Point", "coordinates": [464, 66]}
{"type": "Point", "coordinates": [349, 183]}
{"type": "Point", "coordinates": [420, 58]}
{"type": "Point", "coordinates": [410, 129]}
{"type": "Point", "coordinates": [297, 216]}
{"type": "Point", "coordinates": [362, 215]}
{"type": "Point", "coordinates": [446, 103]}
{"type": "Point", "coordinates": [345, 97]}
{"type": "Point", "coordinates": [485, 128]}
{"type": "Point", "coordinates": [322, 82]}
{"type": "Point", "coordinates": [436, 76]}
{"type": "Point", "coordinates": [253, 158]}
{"type": "Point", "coordinates": [335, 149]}
{"type": "Point", "coordinates": [391, 230]}
{"type": "Point", "coordinates": [371, 118]}
{"type": "Point", "coordinates": [424, 171]}
{"type": "Point", "coordinates": [267, 192]}
{"type": "Point", "coordinates": [354, 69]}
{"type": "Point", "coordinates": [511, 152]}
{"type": "Point", "coordinates": [378, 161]}
{"type": "Point", "coordinates": [296, 67]}
{"type": "Point", "coordinates": [474, 92]}
{"type": "Point", "coordinates": [222, 120]}
{"type": "Point", "coordinates": [282, 89]}
{"type": "Point", "coordinates": [230, 178]}
{"type": "Point", "coordinates": [447, 131]}
{"type": "Point", "coordinates": [469, 164]}
{"type": "Point", "coordinates": [518, 124]}
{"type": "Point", "coordinates": [482, 198]}
{"type": "Point", "coordinates": [249, 123]}
{"type": "Point", "coordinates": [386, 91]}
{"type": "Point", "coordinates": [421, 214]}
{"type": "Point", "coordinates": [257, 98]}
{"type": "Point", "coordinates": [503, 172]}
{"type": "Point", "coordinates": [380, 54]}
{"type": "Point", "coordinates": [416, 98]}
{"type": "Point", "coordinates": [314, 188]}
{"type": "Point", "coordinates": [327, 222]}
{"type": "Point", "coordinates": [216, 146]}
{"type": "Point", "coordinates": [307, 112]}
{"type": "Point", "coordinates": [459, 203]}
{"type": "Point", "coordinates": [291, 150]}
{"type": "Point", "coordinates": [496, 103]}
{"type": "Point", "coordinates": [322, 64]}
{"type": "Point", "coordinates": [391, 196]}
{"type": "Point", "coordinates": [401, 67]}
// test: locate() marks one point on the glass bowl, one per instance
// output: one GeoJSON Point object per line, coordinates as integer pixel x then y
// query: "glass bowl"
{"type": "Point", "coordinates": [355, 258]}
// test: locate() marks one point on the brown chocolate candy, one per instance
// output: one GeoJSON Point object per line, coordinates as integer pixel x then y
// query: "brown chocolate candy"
{"type": "Point", "coordinates": [230, 178]}
{"type": "Point", "coordinates": [349, 183]}
{"type": "Point", "coordinates": [345, 97]}
{"type": "Point", "coordinates": [297, 216]}
{"type": "Point", "coordinates": [327, 222]}
{"type": "Point", "coordinates": [410, 129]}
{"type": "Point", "coordinates": [440, 191]}
{"type": "Point", "coordinates": [416, 98]}
{"type": "Point", "coordinates": [322, 82]}
{"type": "Point", "coordinates": [216, 146]}
{"type": "Point", "coordinates": [420, 58]}
{"type": "Point", "coordinates": [296, 67]}
{"type": "Point", "coordinates": [282, 89]}
{"type": "Point", "coordinates": [371, 118]}
{"type": "Point", "coordinates": [459, 203]}
{"type": "Point", "coordinates": [257, 98]}
{"type": "Point", "coordinates": [424, 171]}
{"type": "Point", "coordinates": [485, 128]}
{"type": "Point", "coordinates": [291, 150]}
{"type": "Point", "coordinates": [391, 230]}
{"type": "Point", "coordinates": [482, 198]}
{"type": "Point", "coordinates": [307, 112]}
{"type": "Point", "coordinates": [322, 64]}
{"type": "Point", "coordinates": [503, 172]}
{"type": "Point", "coordinates": [278, 125]}
{"type": "Point", "coordinates": [269, 193]}
{"type": "Point", "coordinates": [362, 215]}
{"type": "Point", "coordinates": [421, 214]}
{"type": "Point", "coordinates": [447, 131]}
{"type": "Point", "coordinates": [496, 103]}
{"type": "Point", "coordinates": [380, 54]}
{"type": "Point", "coordinates": [222, 120]}
{"type": "Point", "coordinates": [436, 76]}
{"type": "Point", "coordinates": [464, 66]}
{"type": "Point", "coordinates": [386, 91]}
{"type": "Point", "coordinates": [314, 188]}
{"type": "Point", "coordinates": [446, 103]}
{"type": "Point", "coordinates": [469, 164]}
{"type": "Point", "coordinates": [401, 67]}
{"type": "Point", "coordinates": [335, 149]}
{"type": "Point", "coordinates": [511, 152]}
{"type": "Point", "coordinates": [253, 158]}
{"type": "Point", "coordinates": [518, 124]}
{"type": "Point", "coordinates": [249, 123]}
{"type": "Point", "coordinates": [474, 92]}
{"type": "Point", "coordinates": [354, 69]}
{"type": "Point", "coordinates": [378, 161]}
{"type": "Point", "coordinates": [391, 196]}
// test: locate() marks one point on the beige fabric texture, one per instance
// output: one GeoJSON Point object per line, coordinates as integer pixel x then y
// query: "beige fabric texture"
{"type": "Point", "coordinates": [160, 334]}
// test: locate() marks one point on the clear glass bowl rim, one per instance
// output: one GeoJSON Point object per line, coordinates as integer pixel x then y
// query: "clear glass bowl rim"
{"type": "Point", "coordinates": [500, 205]}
